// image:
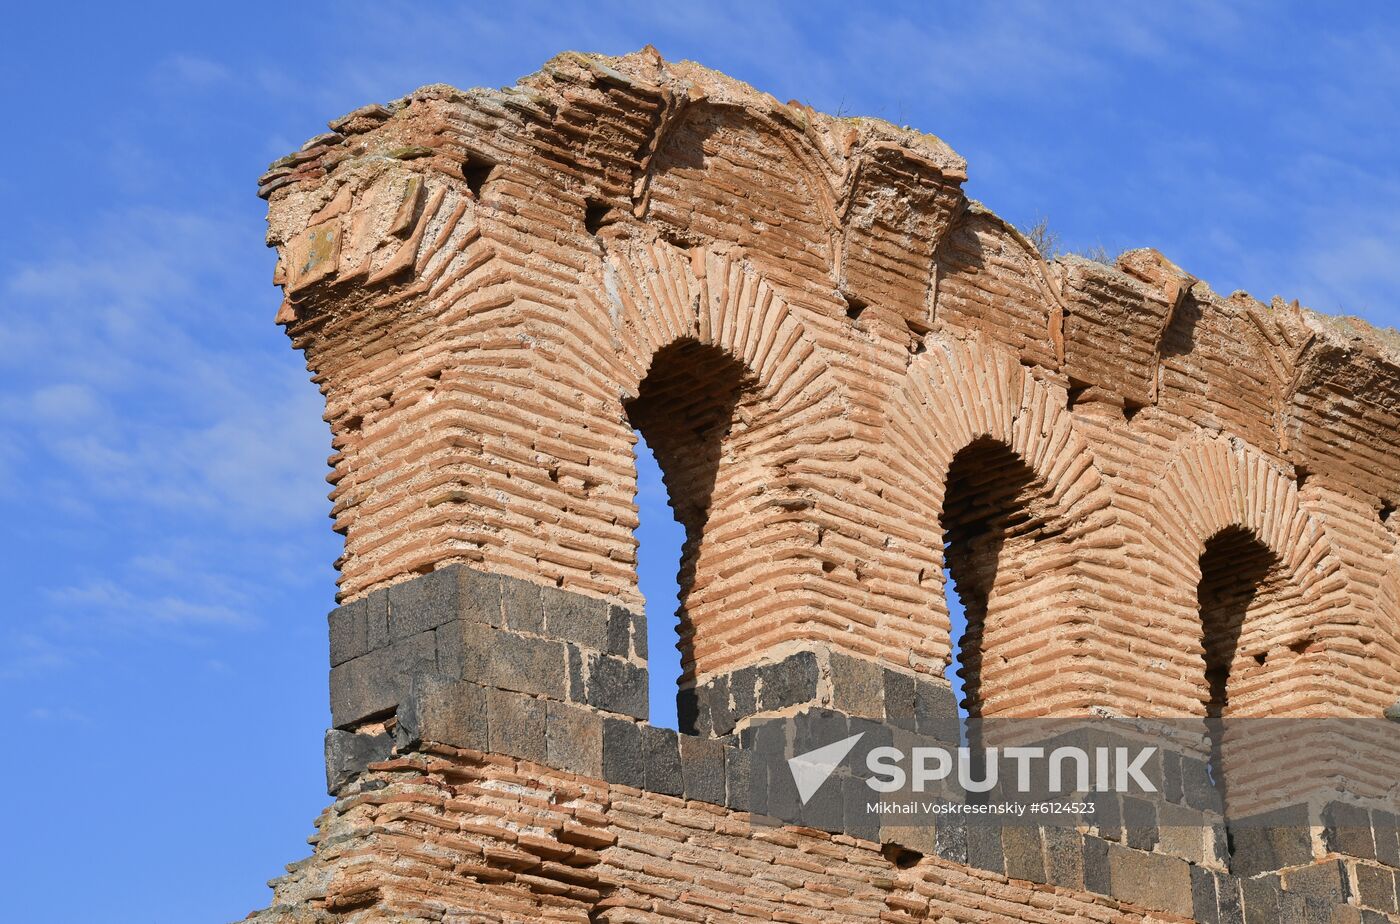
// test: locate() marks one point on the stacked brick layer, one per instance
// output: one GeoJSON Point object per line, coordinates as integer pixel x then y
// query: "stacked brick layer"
{"type": "Point", "coordinates": [453, 834]}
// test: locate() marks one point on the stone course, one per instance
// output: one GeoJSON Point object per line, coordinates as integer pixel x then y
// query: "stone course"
{"type": "Point", "coordinates": [1154, 501]}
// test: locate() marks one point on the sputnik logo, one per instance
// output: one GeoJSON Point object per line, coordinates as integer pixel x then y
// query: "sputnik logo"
{"type": "Point", "coordinates": [811, 770]}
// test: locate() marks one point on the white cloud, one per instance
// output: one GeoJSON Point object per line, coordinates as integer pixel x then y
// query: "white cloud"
{"type": "Point", "coordinates": [137, 398]}
{"type": "Point", "coordinates": [167, 454]}
{"type": "Point", "coordinates": [64, 714]}
{"type": "Point", "coordinates": [188, 71]}
{"type": "Point", "coordinates": [29, 654]}
{"type": "Point", "coordinates": [115, 606]}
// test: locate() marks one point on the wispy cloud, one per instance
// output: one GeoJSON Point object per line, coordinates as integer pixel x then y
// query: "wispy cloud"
{"type": "Point", "coordinates": [137, 397]}
{"type": "Point", "coordinates": [29, 654]}
{"type": "Point", "coordinates": [58, 714]}
{"type": "Point", "coordinates": [114, 606]}
{"type": "Point", "coordinates": [190, 70]}
{"type": "Point", "coordinates": [169, 455]}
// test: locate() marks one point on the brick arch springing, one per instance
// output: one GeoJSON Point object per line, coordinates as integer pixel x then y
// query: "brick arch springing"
{"type": "Point", "coordinates": [969, 413]}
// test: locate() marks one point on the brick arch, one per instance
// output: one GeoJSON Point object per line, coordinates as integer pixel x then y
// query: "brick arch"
{"type": "Point", "coordinates": [1216, 487]}
{"type": "Point", "coordinates": [962, 394]}
{"type": "Point", "coordinates": [657, 293]}
{"type": "Point", "coordinates": [665, 312]}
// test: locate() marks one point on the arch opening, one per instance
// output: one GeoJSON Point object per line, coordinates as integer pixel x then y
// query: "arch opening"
{"type": "Point", "coordinates": [684, 414]}
{"type": "Point", "coordinates": [1241, 598]}
{"type": "Point", "coordinates": [1238, 573]}
{"type": "Point", "coordinates": [993, 526]}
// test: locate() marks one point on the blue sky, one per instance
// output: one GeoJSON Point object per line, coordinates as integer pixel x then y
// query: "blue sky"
{"type": "Point", "coordinates": [167, 556]}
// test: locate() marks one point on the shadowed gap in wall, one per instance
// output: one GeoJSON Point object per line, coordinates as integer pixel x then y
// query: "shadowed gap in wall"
{"type": "Point", "coordinates": [684, 409]}
{"type": "Point", "coordinates": [957, 621]}
{"type": "Point", "coordinates": [659, 541]}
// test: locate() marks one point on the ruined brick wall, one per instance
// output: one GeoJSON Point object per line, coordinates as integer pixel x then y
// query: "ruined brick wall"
{"type": "Point", "coordinates": [1154, 501]}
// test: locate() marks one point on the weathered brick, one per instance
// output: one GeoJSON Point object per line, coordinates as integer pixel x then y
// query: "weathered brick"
{"type": "Point", "coordinates": [572, 617]}
{"type": "Point", "coordinates": [624, 759]}
{"type": "Point", "coordinates": [1151, 880]}
{"type": "Point", "coordinates": [574, 739]}
{"type": "Point", "coordinates": [349, 753]}
{"type": "Point", "coordinates": [522, 605]}
{"type": "Point", "coordinates": [445, 710]}
{"type": "Point", "coordinates": [373, 684]}
{"type": "Point", "coordinates": [349, 632]}
{"type": "Point", "coordinates": [661, 752]}
{"type": "Point", "coordinates": [702, 769]}
{"type": "Point", "coordinates": [516, 723]}
{"type": "Point", "coordinates": [1023, 853]}
{"type": "Point", "coordinates": [853, 377]}
{"type": "Point", "coordinates": [857, 686]}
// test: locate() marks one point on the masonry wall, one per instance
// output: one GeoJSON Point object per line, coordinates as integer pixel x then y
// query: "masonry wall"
{"type": "Point", "coordinates": [844, 365]}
